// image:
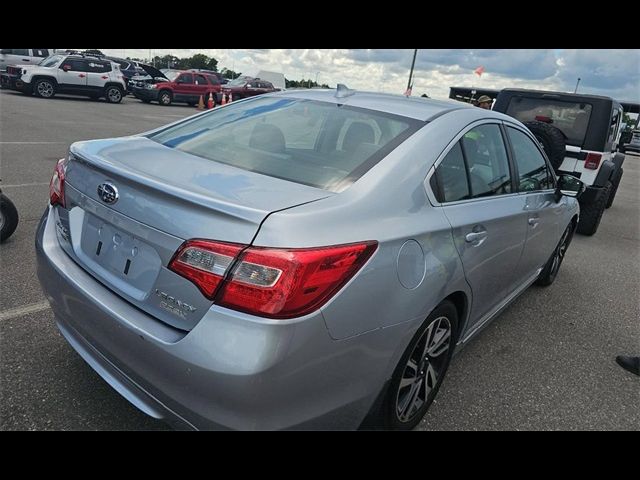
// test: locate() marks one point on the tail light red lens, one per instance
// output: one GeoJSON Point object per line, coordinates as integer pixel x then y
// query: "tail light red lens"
{"type": "Point", "coordinates": [287, 283]}
{"type": "Point", "coordinates": [592, 162]}
{"type": "Point", "coordinates": [205, 263]}
{"type": "Point", "coordinates": [56, 186]}
{"type": "Point", "coordinates": [269, 282]}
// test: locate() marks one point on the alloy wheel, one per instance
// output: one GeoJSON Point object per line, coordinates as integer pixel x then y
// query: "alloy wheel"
{"type": "Point", "coordinates": [114, 95]}
{"type": "Point", "coordinates": [45, 89]}
{"type": "Point", "coordinates": [425, 366]}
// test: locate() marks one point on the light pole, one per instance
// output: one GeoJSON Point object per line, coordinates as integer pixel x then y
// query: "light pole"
{"type": "Point", "coordinates": [317, 73]}
{"type": "Point", "coordinates": [577, 83]}
{"type": "Point", "coordinates": [413, 62]}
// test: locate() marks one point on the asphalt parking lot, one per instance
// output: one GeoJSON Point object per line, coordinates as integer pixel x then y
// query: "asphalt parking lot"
{"type": "Point", "coordinates": [546, 363]}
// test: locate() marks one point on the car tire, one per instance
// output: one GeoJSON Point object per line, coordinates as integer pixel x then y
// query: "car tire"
{"type": "Point", "coordinates": [8, 218]}
{"type": "Point", "coordinates": [44, 88]}
{"type": "Point", "coordinates": [113, 94]}
{"type": "Point", "coordinates": [591, 213]}
{"type": "Point", "coordinates": [408, 396]}
{"type": "Point", "coordinates": [552, 141]}
{"type": "Point", "coordinates": [165, 98]}
{"type": "Point", "coordinates": [552, 267]}
{"type": "Point", "coordinates": [614, 188]}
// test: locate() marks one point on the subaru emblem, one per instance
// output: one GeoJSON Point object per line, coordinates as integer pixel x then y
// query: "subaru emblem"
{"type": "Point", "coordinates": [108, 193]}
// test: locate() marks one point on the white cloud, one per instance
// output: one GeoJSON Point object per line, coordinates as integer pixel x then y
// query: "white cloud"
{"type": "Point", "coordinates": [606, 72]}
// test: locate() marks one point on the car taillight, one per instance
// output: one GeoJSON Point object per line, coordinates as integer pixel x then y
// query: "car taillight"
{"type": "Point", "coordinates": [269, 282]}
{"type": "Point", "coordinates": [56, 186]}
{"type": "Point", "coordinates": [287, 283]}
{"type": "Point", "coordinates": [592, 161]}
{"type": "Point", "coordinates": [205, 263]}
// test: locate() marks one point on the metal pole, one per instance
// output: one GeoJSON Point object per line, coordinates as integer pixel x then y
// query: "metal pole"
{"type": "Point", "coordinates": [577, 83]}
{"type": "Point", "coordinates": [413, 62]}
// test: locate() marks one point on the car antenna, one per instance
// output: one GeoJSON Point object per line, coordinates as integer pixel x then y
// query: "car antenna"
{"type": "Point", "coordinates": [343, 91]}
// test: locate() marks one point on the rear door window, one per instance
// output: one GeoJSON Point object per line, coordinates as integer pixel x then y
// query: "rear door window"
{"type": "Point", "coordinates": [487, 161]}
{"type": "Point", "coordinates": [451, 177]}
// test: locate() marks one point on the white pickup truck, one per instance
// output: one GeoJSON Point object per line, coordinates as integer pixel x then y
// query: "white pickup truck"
{"type": "Point", "coordinates": [25, 56]}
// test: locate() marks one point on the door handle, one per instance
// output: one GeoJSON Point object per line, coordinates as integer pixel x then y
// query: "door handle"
{"type": "Point", "coordinates": [474, 237]}
{"type": "Point", "coordinates": [82, 75]}
{"type": "Point", "coordinates": [26, 60]}
{"type": "Point", "coordinates": [534, 221]}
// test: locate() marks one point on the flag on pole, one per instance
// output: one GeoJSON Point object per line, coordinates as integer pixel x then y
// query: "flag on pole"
{"type": "Point", "coordinates": [407, 92]}
{"type": "Point", "coordinates": [479, 71]}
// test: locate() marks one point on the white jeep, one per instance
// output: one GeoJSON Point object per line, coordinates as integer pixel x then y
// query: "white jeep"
{"type": "Point", "coordinates": [75, 74]}
{"type": "Point", "coordinates": [580, 135]}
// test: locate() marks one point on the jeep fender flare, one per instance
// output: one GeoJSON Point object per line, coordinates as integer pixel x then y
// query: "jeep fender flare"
{"type": "Point", "coordinates": [607, 170]}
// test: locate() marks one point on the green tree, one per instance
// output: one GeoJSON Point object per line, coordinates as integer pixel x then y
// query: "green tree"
{"type": "Point", "coordinates": [226, 73]}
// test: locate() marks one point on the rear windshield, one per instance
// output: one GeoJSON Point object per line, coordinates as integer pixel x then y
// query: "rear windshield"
{"type": "Point", "coordinates": [571, 118]}
{"type": "Point", "coordinates": [320, 144]}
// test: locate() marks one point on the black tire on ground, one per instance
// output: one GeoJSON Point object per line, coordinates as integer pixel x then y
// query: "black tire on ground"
{"type": "Point", "coordinates": [551, 139]}
{"type": "Point", "coordinates": [44, 88]}
{"type": "Point", "coordinates": [8, 218]}
{"type": "Point", "coordinates": [614, 189]}
{"type": "Point", "coordinates": [165, 98]}
{"type": "Point", "coordinates": [552, 267]}
{"type": "Point", "coordinates": [396, 395]}
{"type": "Point", "coordinates": [591, 213]}
{"type": "Point", "coordinates": [113, 94]}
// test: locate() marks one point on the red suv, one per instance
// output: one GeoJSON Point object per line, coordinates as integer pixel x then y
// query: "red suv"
{"type": "Point", "coordinates": [243, 87]}
{"type": "Point", "coordinates": [178, 86]}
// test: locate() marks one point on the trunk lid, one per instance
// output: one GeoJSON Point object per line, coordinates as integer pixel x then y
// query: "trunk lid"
{"type": "Point", "coordinates": [165, 197]}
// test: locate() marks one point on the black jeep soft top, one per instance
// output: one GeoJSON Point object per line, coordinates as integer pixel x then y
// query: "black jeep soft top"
{"type": "Point", "coordinates": [588, 121]}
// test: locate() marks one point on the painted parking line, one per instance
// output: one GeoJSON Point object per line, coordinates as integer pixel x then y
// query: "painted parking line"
{"type": "Point", "coordinates": [25, 310]}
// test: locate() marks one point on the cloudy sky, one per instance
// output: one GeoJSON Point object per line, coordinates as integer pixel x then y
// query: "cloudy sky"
{"type": "Point", "coordinates": [606, 72]}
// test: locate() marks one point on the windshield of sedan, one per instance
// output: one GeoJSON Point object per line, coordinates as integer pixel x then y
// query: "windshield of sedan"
{"type": "Point", "coordinates": [50, 61]}
{"type": "Point", "coordinates": [320, 144]}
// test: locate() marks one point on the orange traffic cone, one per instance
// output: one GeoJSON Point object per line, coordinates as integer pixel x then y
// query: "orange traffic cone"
{"type": "Point", "coordinates": [201, 103]}
{"type": "Point", "coordinates": [224, 99]}
{"type": "Point", "coordinates": [210, 103]}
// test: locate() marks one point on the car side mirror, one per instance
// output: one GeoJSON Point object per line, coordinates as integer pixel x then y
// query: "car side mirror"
{"type": "Point", "coordinates": [248, 85]}
{"type": "Point", "coordinates": [570, 186]}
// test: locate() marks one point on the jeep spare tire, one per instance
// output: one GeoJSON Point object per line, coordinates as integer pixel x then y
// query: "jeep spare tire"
{"type": "Point", "coordinates": [551, 139]}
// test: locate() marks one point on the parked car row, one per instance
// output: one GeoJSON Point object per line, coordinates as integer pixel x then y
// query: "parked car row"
{"type": "Point", "coordinates": [94, 75]}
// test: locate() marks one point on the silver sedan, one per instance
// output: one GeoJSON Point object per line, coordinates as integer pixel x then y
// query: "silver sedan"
{"type": "Point", "coordinates": [304, 259]}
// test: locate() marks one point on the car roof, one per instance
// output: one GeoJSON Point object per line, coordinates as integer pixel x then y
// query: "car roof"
{"type": "Point", "coordinates": [418, 108]}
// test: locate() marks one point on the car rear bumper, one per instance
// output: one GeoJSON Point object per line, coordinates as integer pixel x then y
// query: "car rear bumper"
{"type": "Point", "coordinates": [230, 371]}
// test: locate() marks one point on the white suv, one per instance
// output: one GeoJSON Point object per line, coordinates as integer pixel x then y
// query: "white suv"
{"type": "Point", "coordinates": [76, 74]}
